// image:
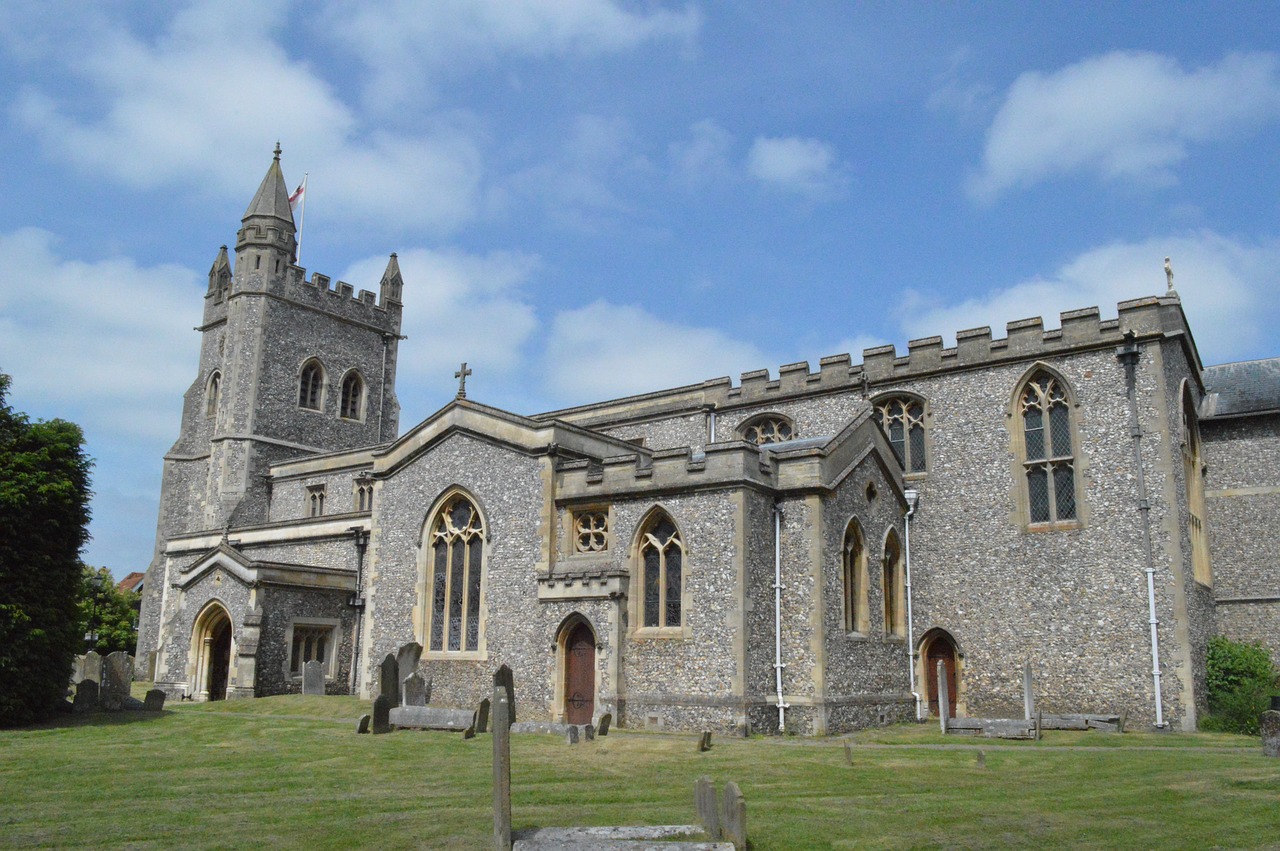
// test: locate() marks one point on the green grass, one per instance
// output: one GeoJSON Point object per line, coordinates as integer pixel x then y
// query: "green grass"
{"type": "Point", "coordinates": [290, 772]}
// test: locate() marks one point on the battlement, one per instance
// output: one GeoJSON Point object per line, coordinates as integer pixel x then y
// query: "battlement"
{"type": "Point", "coordinates": [733, 463]}
{"type": "Point", "coordinates": [340, 299]}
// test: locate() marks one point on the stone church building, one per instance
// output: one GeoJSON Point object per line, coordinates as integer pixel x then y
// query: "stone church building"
{"type": "Point", "coordinates": [797, 550]}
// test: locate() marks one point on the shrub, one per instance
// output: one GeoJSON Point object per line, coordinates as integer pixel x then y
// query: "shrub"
{"type": "Point", "coordinates": [1239, 680]}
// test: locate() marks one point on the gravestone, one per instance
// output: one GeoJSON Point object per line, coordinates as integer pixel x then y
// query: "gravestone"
{"type": "Point", "coordinates": [382, 714]}
{"type": "Point", "coordinates": [407, 658]}
{"type": "Point", "coordinates": [944, 698]}
{"type": "Point", "coordinates": [704, 742]}
{"type": "Point", "coordinates": [154, 701]}
{"type": "Point", "coordinates": [482, 716]}
{"type": "Point", "coordinates": [389, 681]}
{"type": "Point", "coordinates": [432, 718]}
{"type": "Point", "coordinates": [502, 719]}
{"type": "Point", "coordinates": [1269, 723]}
{"type": "Point", "coordinates": [707, 806]}
{"type": "Point", "coordinates": [605, 720]}
{"type": "Point", "coordinates": [981, 759]}
{"type": "Point", "coordinates": [77, 672]}
{"type": "Point", "coordinates": [848, 752]}
{"type": "Point", "coordinates": [509, 685]}
{"type": "Point", "coordinates": [1028, 696]}
{"type": "Point", "coordinates": [733, 816]}
{"type": "Point", "coordinates": [313, 678]}
{"type": "Point", "coordinates": [362, 726]}
{"type": "Point", "coordinates": [117, 677]}
{"type": "Point", "coordinates": [414, 690]}
{"type": "Point", "coordinates": [86, 699]}
{"type": "Point", "coordinates": [572, 736]}
{"type": "Point", "coordinates": [92, 667]}
{"type": "Point", "coordinates": [589, 732]}
{"type": "Point", "coordinates": [470, 732]}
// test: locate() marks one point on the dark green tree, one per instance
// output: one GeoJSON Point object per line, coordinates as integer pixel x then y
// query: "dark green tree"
{"type": "Point", "coordinates": [108, 616]}
{"type": "Point", "coordinates": [1240, 679]}
{"type": "Point", "coordinates": [44, 515]}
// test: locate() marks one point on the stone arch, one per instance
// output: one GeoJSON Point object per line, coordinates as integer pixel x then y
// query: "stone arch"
{"type": "Point", "coordinates": [1048, 477]}
{"type": "Point", "coordinates": [212, 650]}
{"type": "Point", "coordinates": [939, 645]}
{"type": "Point", "coordinates": [351, 404]}
{"type": "Point", "coordinates": [893, 583]}
{"type": "Point", "coordinates": [768, 427]}
{"type": "Point", "coordinates": [637, 554]}
{"type": "Point", "coordinates": [577, 669]}
{"type": "Point", "coordinates": [856, 578]}
{"type": "Point", "coordinates": [312, 380]}
{"type": "Point", "coordinates": [435, 591]}
{"type": "Point", "coordinates": [912, 412]}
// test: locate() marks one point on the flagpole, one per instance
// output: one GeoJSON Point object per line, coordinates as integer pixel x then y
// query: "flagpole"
{"type": "Point", "coordinates": [302, 219]}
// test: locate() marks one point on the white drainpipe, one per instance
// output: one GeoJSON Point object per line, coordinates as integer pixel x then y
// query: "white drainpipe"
{"type": "Point", "coordinates": [777, 614]}
{"type": "Point", "coordinates": [913, 500]}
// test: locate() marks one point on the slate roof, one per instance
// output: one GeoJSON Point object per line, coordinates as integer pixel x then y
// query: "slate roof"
{"type": "Point", "coordinates": [272, 197]}
{"type": "Point", "coordinates": [1238, 389]}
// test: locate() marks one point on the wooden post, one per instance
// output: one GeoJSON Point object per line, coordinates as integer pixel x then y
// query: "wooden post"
{"type": "Point", "coordinates": [944, 698]}
{"type": "Point", "coordinates": [501, 760]}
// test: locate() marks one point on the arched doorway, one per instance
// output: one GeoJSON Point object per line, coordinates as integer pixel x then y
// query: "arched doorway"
{"type": "Point", "coordinates": [940, 647]}
{"type": "Point", "coordinates": [579, 673]}
{"type": "Point", "coordinates": [211, 653]}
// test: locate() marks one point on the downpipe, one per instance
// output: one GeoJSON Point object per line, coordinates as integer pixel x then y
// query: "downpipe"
{"type": "Point", "coordinates": [913, 500]}
{"type": "Point", "coordinates": [777, 615]}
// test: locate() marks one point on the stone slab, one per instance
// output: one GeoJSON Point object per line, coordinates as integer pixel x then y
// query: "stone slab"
{"type": "Point", "coordinates": [602, 729]}
{"type": "Point", "coordinates": [154, 701]}
{"type": "Point", "coordinates": [706, 802]}
{"type": "Point", "coordinates": [657, 838]}
{"type": "Point", "coordinates": [389, 679]}
{"type": "Point", "coordinates": [1269, 722]}
{"type": "Point", "coordinates": [86, 696]}
{"type": "Point", "coordinates": [733, 816]}
{"type": "Point", "coordinates": [414, 690]}
{"type": "Point", "coordinates": [362, 726]}
{"type": "Point", "coordinates": [382, 715]}
{"type": "Point", "coordinates": [548, 728]}
{"type": "Point", "coordinates": [431, 718]}
{"type": "Point", "coordinates": [313, 678]}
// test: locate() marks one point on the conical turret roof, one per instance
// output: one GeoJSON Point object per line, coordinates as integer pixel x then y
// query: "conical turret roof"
{"type": "Point", "coordinates": [272, 198]}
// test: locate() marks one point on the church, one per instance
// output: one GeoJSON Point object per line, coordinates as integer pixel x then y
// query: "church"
{"type": "Point", "coordinates": [795, 551]}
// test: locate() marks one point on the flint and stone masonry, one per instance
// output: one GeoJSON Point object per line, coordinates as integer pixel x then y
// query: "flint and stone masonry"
{"type": "Point", "coordinates": [796, 553]}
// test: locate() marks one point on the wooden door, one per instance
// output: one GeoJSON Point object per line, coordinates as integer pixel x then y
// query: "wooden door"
{"type": "Point", "coordinates": [941, 650]}
{"type": "Point", "coordinates": [219, 660]}
{"type": "Point", "coordinates": [580, 675]}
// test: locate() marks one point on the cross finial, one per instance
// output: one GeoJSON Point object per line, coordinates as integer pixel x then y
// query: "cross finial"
{"type": "Point", "coordinates": [277, 150]}
{"type": "Point", "coordinates": [461, 375]}
{"type": "Point", "coordinates": [1168, 272]}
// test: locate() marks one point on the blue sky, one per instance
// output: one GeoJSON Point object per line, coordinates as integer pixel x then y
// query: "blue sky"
{"type": "Point", "coordinates": [593, 198]}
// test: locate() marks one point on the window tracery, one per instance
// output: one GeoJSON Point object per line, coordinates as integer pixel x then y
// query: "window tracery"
{"type": "Point", "coordinates": [662, 573]}
{"type": "Point", "coordinates": [456, 564]}
{"type": "Point", "coordinates": [311, 385]}
{"type": "Point", "coordinates": [770, 428]}
{"type": "Point", "coordinates": [1049, 462]}
{"type": "Point", "coordinates": [855, 579]}
{"type": "Point", "coordinates": [902, 418]}
{"type": "Point", "coordinates": [352, 396]}
{"type": "Point", "coordinates": [590, 531]}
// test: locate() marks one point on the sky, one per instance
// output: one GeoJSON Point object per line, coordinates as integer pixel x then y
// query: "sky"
{"type": "Point", "coordinates": [593, 198]}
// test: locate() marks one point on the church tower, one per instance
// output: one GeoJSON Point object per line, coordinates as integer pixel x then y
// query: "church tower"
{"type": "Point", "coordinates": [289, 367]}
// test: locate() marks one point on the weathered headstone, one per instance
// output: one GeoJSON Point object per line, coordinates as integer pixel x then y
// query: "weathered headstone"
{"type": "Point", "coordinates": [589, 732]}
{"type": "Point", "coordinates": [572, 736]}
{"type": "Point", "coordinates": [605, 720]}
{"type": "Point", "coordinates": [704, 741]}
{"type": "Point", "coordinates": [92, 667]}
{"type": "Point", "coordinates": [382, 714]}
{"type": "Point", "coordinates": [432, 718]}
{"type": "Point", "coordinates": [313, 678]}
{"type": "Point", "coordinates": [1269, 723]}
{"type": "Point", "coordinates": [981, 759]}
{"type": "Point", "coordinates": [407, 658]}
{"type": "Point", "coordinates": [848, 752]}
{"type": "Point", "coordinates": [86, 696]}
{"type": "Point", "coordinates": [117, 678]}
{"type": "Point", "coordinates": [1028, 696]}
{"type": "Point", "coordinates": [389, 681]}
{"type": "Point", "coordinates": [508, 683]}
{"type": "Point", "coordinates": [733, 816]}
{"type": "Point", "coordinates": [482, 716]}
{"type": "Point", "coordinates": [502, 719]}
{"type": "Point", "coordinates": [154, 701]}
{"type": "Point", "coordinates": [707, 805]}
{"type": "Point", "coordinates": [362, 726]}
{"type": "Point", "coordinates": [77, 671]}
{"type": "Point", "coordinates": [414, 690]}
{"type": "Point", "coordinates": [944, 699]}
{"type": "Point", "coordinates": [470, 732]}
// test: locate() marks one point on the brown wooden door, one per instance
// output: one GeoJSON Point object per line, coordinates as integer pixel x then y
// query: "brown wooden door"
{"type": "Point", "coordinates": [941, 650]}
{"type": "Point", "coordinates": [580, 675]}
{"type": "Point", "coordinates": [219, 660]}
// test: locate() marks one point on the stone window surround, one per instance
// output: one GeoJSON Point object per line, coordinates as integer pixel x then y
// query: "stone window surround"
{"type": "Point", "coordinates": [320, 391]}
{"type": "Point", "coordinates": [635, 600]}
{"type": "Point", "coordinates": [1194, 468]}
{"type": "Point", "coordinates": [423, 589]}
{"type": "Point", "coordinates": [926, 415]}
{"type": "Point", "coordinates": [330, 663]}
{"type": "Point", "coordinates": [361, 393]}
{"type": "Point", "coordinates": [854, 592]}
{"type": "Point", "coordinates": [314, 506]}
{"type": "Point", "coordinates": [1017, 445]}
{"type": "Point", "coordinates": [894, 598]}
{"type": "Point", "coordinates": [212, 391]}
{"type": "Point", "coordinates": [579, 512]}
{"type": "Point", "coordinates": [362, 493]}
{"type": "Point", "coordinates": [770, 418]}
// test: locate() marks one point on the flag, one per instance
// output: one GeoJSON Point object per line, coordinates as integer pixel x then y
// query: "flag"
{"type": "Point", "coordinates": [296, 198]}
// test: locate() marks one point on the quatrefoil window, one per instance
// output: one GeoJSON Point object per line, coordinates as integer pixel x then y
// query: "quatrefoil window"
{"type": "Point", "coordinates": [591, 531]}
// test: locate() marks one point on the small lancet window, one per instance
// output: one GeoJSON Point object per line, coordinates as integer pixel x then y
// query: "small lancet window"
{"type": "Point", "coordinates": [894, 622]}
{"type": "Point", "coordinates": [310, 385]}
{"type": "Point", "coordinates": [315, 500]}
{"type": "Point", "coordinates": [903, 421]}
{"type": "Point", "coordinates": [1049, 466]}
{"type": "Point", "coordinates": [1193, 469]}
{"type": "Point", "coordinates": [770, 428]}
{"type": "Point", "coordinates": [855, 580]}
{"type": "Point", "coordinates": [352, 396]}
{"type": "Point", "coordinates": [457, 559]}
{"type": "Point", "coordinates": [364, 495]}
{"type": "Point", "coordinates": [662, 557]}
{"type": "Point", "coordinates": [311, 643]}
{"type": "Point", "coordinates": [212, 394]}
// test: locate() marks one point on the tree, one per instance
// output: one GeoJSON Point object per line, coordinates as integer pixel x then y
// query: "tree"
{"type": "Point", "coordinates": [108, 616]}
{"type": "Point", "coordinates": [1240, 678]}
{"type": "Point", "coordinates": [44, 514]}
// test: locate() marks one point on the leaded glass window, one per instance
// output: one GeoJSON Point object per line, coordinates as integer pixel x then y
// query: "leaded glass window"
{"type": "Point", "coordinates": [311, 643]}
{"type": "Point", "coordinates": [892, 586]}
{"type": "Point", "coordinates": [855, 580]}
{"type": "Point", "coordinates": [310, 385]}
{"type": "Point", "coordinates": [768, 429]}
{"type": "Point", "coordinates": [352, 396]}
{"type": "Point", "coordinates": [211, 395]}
{"type": "Point", "coordinates": [457, 554]}
{"type": "Point", "coordinates": [903, 421]}
{"type": "Point", "coordinates": [590, 531]}
{"type": "Point", "coordinates": [662, 568]}
{"type": "Point", "coordinates": [1049, 465]}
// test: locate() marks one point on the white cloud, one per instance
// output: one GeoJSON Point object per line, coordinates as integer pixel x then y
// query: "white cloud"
{"type": "Point", "coordinates": [458, 307]}
{"type": "Point", "coordinates": [409, 44]}
{"type": "Point", "coordinates": [107, 344]}
{"type": "Point", "coordinates": [604, 350]}
{"type": "Point", "coordinates": [202, 104]}
{"type": "Point", "coordinates": [704, 157]}
{"type": "Point", "coordinates": [805, 166]}
{"type": "Point", "coordinates": [1226, 287]}
{"type": "Point", "coordinates": [1130, 116]}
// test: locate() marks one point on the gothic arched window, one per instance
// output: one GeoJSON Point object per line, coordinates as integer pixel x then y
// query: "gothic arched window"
{"type": "Point", "coordinates": [1193, 468]}
{"type": "Point", "coordinates": [892, 585]}
{"type": "Point", "coordinates": [1048, 461]}
{"type": "Point", "coordinates": [855, 579]}
{"type": "Point", "coordinates": [662, 573]}
{"type": "Point", "coordinates": [456, 561]}
{"type": "Point", "coordinates": [211, 394]}
{"type": "Point", "coordinates": [311, 385]}
{"type": "Point", "coordinates": [769, 428]}
{"type": "Point", "coordinates": [352, 396]}
{"type": "Point", "coordinates": [902, 418]}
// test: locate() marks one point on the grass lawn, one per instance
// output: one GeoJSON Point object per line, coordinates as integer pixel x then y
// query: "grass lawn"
{"type": "Point", "coordinates": [290, 772]}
